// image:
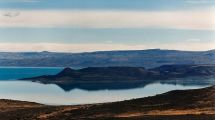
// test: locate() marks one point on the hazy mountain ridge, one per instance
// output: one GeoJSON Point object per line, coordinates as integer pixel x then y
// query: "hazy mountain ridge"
{"type": "Point", "coordinates": [136, 58]}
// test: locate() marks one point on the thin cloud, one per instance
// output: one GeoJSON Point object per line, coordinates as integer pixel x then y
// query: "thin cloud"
{"type": "Point", "coordinates": [61, 47]}
{"type": "Point", "coordinates": [200, 1]}
{"type": "Point", "coordinates": [193, 40]}
{"type": "Point", "coordinates": [11, 14]}
{"type": "Point", "coordinates": [198, 19]}
{"type": "Point", "coordinates": [26, 1]}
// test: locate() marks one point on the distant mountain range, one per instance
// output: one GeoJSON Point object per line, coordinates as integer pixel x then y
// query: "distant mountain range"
{"type": "Point", "coordinates": [133, 58]}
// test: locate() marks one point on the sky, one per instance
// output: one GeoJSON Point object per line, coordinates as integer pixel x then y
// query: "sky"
{"type": "Point", "coordinates": [99, 25]}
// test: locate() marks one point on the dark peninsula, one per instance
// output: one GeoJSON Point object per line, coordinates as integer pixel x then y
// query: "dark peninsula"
{"type": "Point", "coordinates": [122, 77]}
{"type": "Point", "coordinates": [102, 74]}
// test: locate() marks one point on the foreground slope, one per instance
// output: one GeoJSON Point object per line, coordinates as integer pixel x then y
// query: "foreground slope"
{"type": "Point", "coordinates": [174, 105]}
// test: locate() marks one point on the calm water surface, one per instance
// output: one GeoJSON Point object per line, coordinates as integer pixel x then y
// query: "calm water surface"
{"type": "Point", "coordinates": [10, 88]}
{"type": "Point", "coordinates": [12, 73]}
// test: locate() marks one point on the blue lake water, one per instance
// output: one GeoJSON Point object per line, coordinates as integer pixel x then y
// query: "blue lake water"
{"type": "Point", "coordinates": [11, 88]}
{"type": "Point", "coordinates": [11, 73]}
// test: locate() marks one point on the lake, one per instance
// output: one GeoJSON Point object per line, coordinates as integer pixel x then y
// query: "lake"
{"type": "Point", "coordinates": [11, 73]}
{"type": "Point", "coordinates": [51, 94]}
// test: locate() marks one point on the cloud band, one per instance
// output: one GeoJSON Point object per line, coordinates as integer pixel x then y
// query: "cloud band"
{"type": "Point", "coordinates": [61, 47]}
{"type": "Point", "coordinates": [196, 19]}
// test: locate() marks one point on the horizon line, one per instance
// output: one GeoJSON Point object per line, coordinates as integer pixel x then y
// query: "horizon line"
{"type": "Point", "coordinates": [105, 51]}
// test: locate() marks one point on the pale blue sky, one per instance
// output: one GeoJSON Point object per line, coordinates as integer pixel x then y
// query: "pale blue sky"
{"type": "Point", "coordinates": [162, 24]}
{"type": "Point", "coordinates": [126, 36]}
{"type": "Point", "coordinates": [107, 4]}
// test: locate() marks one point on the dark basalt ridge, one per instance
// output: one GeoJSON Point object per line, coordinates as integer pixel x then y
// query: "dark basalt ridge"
{"type": "Point", "coordinates": [116, 74]}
